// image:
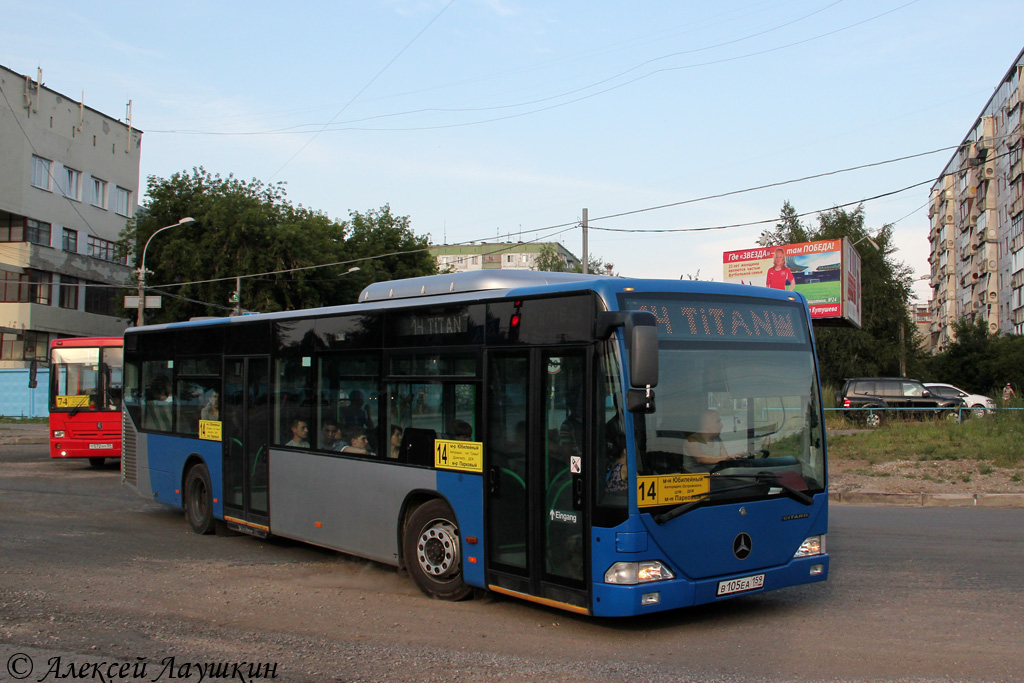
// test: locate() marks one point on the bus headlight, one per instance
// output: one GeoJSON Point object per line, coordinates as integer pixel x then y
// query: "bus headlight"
{"type": "Point", "coordinates": [58, 434]}
{"type": "Point", "coordinates": [813, 545]}
{"type": "Point", "coordinates": [631, 573]}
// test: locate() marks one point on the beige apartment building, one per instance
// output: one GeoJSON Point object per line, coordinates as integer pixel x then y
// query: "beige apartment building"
{"type": "Point", "coordinates": [69, 181]}
{"type": "Point", "coordinates": [487, 255]}
{"type": "Point", "coordinates": [975, 214]}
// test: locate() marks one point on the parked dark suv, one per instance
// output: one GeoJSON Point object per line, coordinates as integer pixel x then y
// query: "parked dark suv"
{"type": "Point", "coordinates": [909, 398]}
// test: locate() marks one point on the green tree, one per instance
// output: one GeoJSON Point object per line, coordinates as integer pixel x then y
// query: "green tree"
{"type": "Point", "coordinates": [250, 228]}
{"type": "Point", "coordinates": [887, 341]}
{"type": "Point", "coordinates": [549, 261]}
{"type": "Point", "coordinates": [978, 361]}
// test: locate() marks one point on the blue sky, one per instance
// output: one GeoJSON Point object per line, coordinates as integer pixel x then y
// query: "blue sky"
{"type": "Point", "coordinates": [482, 119]}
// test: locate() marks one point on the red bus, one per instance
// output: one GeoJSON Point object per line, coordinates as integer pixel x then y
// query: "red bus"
{"type": "Point", "coordinates": [85, 398]}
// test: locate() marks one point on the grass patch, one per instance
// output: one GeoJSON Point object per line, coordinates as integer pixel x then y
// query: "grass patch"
{"type": "Point", "coordinates": [23, 420]}
{"type": "Point", "coordinates": [998, 439]}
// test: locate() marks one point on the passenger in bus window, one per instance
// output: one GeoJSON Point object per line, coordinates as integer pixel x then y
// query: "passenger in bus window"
{"type": "Point", "coordinates": [706, 447]}
{"type": "Point", "coordinates": [330, 437]}
{"type": "Point", "coordinates": [159, 404]}
{"type": "Point", "coordinates": [462, 431]}
{"type": "Point", "coordinates": [211, 411]}
{"type": "Point", "coordinates": [615, 479]}
{"type": "Point", "coordinates": [357, 413]}
{"type": "Point", "coordinates": [300, 432]}
{"type": "Point", "coordinates": [570, 433]}
{"type": "Point", "coordinates": [396, 442]}
{"type": "Point", "coordinates": [356, 441]}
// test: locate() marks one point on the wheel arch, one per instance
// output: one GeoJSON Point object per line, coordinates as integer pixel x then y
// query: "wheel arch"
{"type": "Point", "coordinates": [412, 502]}
{"type": "Point", "coordinates": [191, 461]}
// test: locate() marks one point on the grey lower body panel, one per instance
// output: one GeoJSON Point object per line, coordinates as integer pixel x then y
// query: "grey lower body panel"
{"type": "Point", "coordinates": [347, 504]}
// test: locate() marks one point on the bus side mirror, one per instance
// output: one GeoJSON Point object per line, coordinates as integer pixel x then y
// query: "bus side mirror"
{"type": "Point", "coordinates": [641, 330]}
{"type": "Point", "coordinates": [33, 368]}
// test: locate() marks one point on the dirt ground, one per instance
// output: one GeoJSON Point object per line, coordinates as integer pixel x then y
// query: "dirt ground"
{"type": "Point", "coordinates": [923, 476]}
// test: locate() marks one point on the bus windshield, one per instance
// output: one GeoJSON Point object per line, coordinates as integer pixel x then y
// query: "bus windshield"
{"type": "Point", "coordinates": [738, 410]}
{"type": "Point", "coordinates": [86, 379]}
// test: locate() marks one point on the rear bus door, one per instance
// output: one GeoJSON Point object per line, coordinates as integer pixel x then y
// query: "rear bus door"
{"type": "Point", "coordinates": [246, 418]}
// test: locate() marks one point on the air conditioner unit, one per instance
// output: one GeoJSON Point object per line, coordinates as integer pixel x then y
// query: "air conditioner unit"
{"type": "Point", "coordinates": [992, 296]}
{"type": "Point", "coordinates": [949, 244]}
{"type": "Point", "coordinates": [991, 235]}
{"type": "Point", "coordinates": [949, 194]}
{"type": "Point", "coordinates": [990, 172]}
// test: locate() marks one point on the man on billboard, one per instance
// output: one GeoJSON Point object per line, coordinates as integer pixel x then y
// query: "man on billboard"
{"type": "Point", "coordinates": [779, 275]}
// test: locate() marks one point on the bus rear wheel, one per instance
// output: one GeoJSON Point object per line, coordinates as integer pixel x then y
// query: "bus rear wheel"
{"type": "Point", "coordinates": [433, 554]}
{"type": "Point", "coordinates": [199, 499]}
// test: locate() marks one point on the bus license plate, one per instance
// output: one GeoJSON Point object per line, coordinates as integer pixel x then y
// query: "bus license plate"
{"type": "Point", "coordinates": [100, 446]}
{"type": "Point", "coordinates": [746, 583]}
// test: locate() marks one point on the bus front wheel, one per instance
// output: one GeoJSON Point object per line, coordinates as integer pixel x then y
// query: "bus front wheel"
{"type": "Point", "coordinates": [199, 500]}
{"type": "Point", "coordinates": [433, 552]}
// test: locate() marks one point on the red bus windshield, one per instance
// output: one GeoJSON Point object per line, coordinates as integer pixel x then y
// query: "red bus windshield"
{"type": "Point", "coordinates": [86, 379]}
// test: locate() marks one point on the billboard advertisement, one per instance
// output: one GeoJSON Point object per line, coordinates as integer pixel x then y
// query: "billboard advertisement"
{"type": "Point", "coordinates": [827, 273]}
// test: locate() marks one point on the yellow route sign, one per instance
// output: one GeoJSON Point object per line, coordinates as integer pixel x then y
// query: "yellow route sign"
{"type": "Point", "coordinates": [78, 401]}
{"type": "Point", "coordinates": [209, 430]}
{"type": "Point", "coordinates": [464, 456]}
{"type": "Point", "coordinates": [671, 489]}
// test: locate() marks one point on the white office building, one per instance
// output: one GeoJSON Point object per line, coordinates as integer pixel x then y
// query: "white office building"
{"type": "Point", "coordinates": [69, 182]}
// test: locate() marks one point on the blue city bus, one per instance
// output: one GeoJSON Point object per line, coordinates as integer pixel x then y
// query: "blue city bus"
{"type": "Point", "coordinates": [602, 445]}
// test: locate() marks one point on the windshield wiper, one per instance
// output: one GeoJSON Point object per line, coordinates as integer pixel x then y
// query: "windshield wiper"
{"type": "Point", "coordinates": [773, 479]}
{"type": "Point", "coordinates": [758, 479]}
{"type": "Point", "coordinates": [700, 500]}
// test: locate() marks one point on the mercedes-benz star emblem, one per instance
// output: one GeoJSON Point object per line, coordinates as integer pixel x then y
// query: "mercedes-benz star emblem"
{"type": "Point", "coordinates": [741, 546]}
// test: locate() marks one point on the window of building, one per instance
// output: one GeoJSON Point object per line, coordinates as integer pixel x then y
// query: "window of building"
{"type": "Point", "coordinates": [99, 193]}
{"type": "Point", "coordinates": [37, 232]}
{"type": "Point", "coordinates": [122, 201]}
{"type": "Point", "coordinates": [41, 173]}
{"type": "Point", "coordinates": [68, 292]}
{"type": "Point", "coordinates": [100, 299]}
{"type": "Point", "coordinates": [12, 228]}
{"type": "Point", "coordinates": [32, 286]}
{"type": "Point", "coordinates": [105, 250]}
{"type": "Point", "coordinates": [25, 345]}
{"type": "Point", "coordinates": [69, 240]}
{"type": "Point", "coordinates": [73, 184]}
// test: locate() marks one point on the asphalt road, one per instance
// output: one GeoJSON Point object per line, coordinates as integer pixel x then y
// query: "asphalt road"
{"type": "Point", "coordinates": [93, 575]}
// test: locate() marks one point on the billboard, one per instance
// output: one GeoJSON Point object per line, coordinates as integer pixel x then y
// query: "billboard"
{"type": "Point", "coordinates": [827, 273]}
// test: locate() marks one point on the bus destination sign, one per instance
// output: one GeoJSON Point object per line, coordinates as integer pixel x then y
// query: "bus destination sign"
{"type": "Point", "coordinates": [738, 321]}
{"type": "Point", "coordinates": [462, 456]}
{"type": "Point", "coordinates": [671, 489]}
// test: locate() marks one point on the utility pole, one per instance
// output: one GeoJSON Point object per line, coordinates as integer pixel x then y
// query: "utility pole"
{"type": "Point", "coordinates": [586, 254]}
{"type": "Point", "coordinates": [236, 297]}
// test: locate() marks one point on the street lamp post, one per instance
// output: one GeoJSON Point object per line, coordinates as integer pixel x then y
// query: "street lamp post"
{"type": "Point", "coordinates": [140, 319]}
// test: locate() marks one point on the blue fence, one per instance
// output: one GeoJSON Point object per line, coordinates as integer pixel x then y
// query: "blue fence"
{"type": "Point", "coordinates": [17, 400]}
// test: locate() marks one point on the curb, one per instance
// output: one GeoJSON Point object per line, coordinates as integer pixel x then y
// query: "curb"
{"type": "Point", "coordinates": [941, 500]}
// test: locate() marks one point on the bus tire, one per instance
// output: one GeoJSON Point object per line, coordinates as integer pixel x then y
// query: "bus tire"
{"type": "Point", "coordinates": [97, 462]}
{"type": "Point", "coordinates": [199, 499]}
{"type": "Point", "coordinates": [433, 553]}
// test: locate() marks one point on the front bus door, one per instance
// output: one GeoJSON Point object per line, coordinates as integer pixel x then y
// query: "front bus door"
{"type": "Point", "coordinates": [538, 433]}
{"type": "Point", "coordinates": [246, 405]}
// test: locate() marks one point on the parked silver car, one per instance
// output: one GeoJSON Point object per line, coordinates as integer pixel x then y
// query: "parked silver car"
{"type": "Point", "coordinates": [978, 404]}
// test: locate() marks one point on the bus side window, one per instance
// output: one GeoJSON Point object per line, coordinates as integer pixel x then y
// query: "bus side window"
{"type": "Point", "coordinates": [349, 391]}
{"type": "Point", "coordinates": [158, 401]}
{"type": "Point", "coordinates": [293, 401]}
